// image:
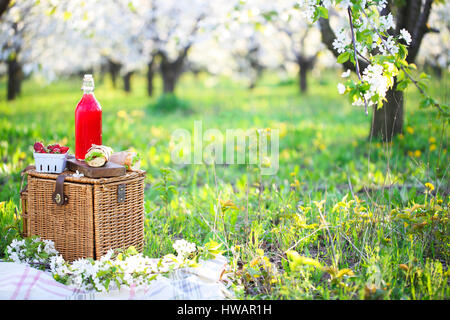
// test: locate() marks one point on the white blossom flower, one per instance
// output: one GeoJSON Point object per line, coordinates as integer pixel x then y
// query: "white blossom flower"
{"type": "Point", "coordinates": [341, 88]}
{"type": "Point", "coordinates": [106, 273]}
{"type": "Point", "coordinates": [378, 82]}
{"type": "Point", "coordinates": [344, 4]}
{"type": "Point", "coordinates": [388, 46]}
{"type": "Point", "coordinates": [386, 22]}
{"type": "Point", "coordinates": [184, 248]}
{"type": "Point", "coordinates": [346, 74]}
{"type": "Point", "coordinates": [341, 41]}
{"type": "Point", "coordinates": [405, 35]}
{"type": "Point", "coordinates": [381, 5]}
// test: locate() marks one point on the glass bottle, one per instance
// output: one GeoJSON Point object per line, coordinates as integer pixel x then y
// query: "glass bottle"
{"type": "Point", "coordinates": [88, 120]}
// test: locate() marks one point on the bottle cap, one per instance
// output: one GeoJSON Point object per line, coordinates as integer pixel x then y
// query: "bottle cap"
{"type": "Point", "coordinates": [88, 82]}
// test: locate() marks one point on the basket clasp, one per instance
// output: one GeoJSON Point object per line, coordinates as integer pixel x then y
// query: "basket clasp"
{"type": "Point", "coordinates": [121, 193]}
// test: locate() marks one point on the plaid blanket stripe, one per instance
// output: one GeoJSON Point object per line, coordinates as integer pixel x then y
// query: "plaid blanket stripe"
{"type": "Point", "coordinates": [20, 282]}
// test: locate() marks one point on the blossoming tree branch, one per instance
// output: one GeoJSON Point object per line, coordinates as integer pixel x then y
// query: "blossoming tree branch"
{"type": "Point", "coordinates": [379, 48]}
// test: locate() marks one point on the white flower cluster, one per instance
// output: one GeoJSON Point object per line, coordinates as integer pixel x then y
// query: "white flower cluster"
{"type": "Point", "coordinates": [388, 47]}
{"type": "Point", "coordinates": [342, 40]}
{"type": "Point", "coordinates": [41, 250]}
{"type": "Point", "coordinates": [381, 4]}
{"type": "Point", "coordinates": [111, 271]}
{"type": "Point", "coordinates": [184, 248]}
{"type": "Point", "coordinates": [386, 22]}
{"type": "Point", "coordinates": [378, 84]}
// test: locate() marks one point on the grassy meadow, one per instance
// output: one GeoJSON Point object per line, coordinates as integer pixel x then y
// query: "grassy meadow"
{"type": "Point", "coordinates": [343, 218]}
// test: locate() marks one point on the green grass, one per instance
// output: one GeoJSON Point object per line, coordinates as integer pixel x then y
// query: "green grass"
{"type": "Point", "coordinates": [376, 217]}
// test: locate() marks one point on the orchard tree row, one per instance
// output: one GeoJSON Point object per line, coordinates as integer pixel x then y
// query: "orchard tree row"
{"type": "Point", "coordinates": [378, 44]}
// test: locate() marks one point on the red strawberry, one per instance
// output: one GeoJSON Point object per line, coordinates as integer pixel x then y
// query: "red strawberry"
{"type": "Point", "coordinates": [64, 149]}
{"type": "Point", "coordinates": [39, 147]}
{"type": "Point", "coordinates": [56, 150]}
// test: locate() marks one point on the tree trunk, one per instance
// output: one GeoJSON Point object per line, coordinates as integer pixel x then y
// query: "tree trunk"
{"type": "Point", "coordinates": [170, 72]}
{"type": "Point", "coordinates": [150, 75]}
{"type": "Point", "coordinates": [14, 79]}
{"type": "Point", "coordinates": [388, 120]}
{"type": "Point", "coordinates": [114, 69]}
{"type": "Point", "coordinates": [169, 82]}
{"type": "Point", "coordinates": [19, 82]}
{"type": "Point", "coordinates": [127, 81]}
{"type": "Point", "coordinates": [303, 82]}
{"type": "Point", "coordinates": [4, 6]}
{"type": "Point", "coordinates": [305, 64]}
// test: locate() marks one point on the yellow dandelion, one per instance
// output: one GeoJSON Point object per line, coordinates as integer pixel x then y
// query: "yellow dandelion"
{"type": "Point", "coordinates": [122, 114]}
{"type": "Point", "coordinates": [254, 262]}
{"type": "Point", "coordinates": [410, 130]}
{"type": "Point", "coordinates": [432, 140]}
{"type": "Point", "coordinates": [429, 186]}
{"type": "Point", "coordinates": [417, 153]}
{"type": "Point", "coordinates": [410, 153]}
{"type": "Point", "coordinates": [432, 147]}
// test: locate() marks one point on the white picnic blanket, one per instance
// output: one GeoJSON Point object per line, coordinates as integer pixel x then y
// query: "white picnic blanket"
{"type": "Point", "coordinates": [21, 282]}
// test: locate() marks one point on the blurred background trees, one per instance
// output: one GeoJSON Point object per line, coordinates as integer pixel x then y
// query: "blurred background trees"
{"type": "Point", "coordinates": [121, 38]}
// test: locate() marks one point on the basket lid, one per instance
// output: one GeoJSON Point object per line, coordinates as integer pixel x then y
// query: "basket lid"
{"type": "Point", "coordinates": [71, 178]}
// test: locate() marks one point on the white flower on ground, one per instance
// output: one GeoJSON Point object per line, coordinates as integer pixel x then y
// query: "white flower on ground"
{"type": "Point", "coordinates": [184, 248]}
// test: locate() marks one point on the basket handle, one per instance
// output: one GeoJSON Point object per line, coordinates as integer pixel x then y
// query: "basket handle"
{"type": "Point", "coordinates": [58, 195]}
{"type": "Point", "coordinates": [23, 173]}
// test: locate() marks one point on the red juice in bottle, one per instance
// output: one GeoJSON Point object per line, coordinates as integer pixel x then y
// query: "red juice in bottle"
{"type": "Point", "coordinates": [88, 120]}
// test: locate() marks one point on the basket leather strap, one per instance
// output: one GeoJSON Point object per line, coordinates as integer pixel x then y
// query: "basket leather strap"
{"type": "Point", "coordinates": [58, 196]}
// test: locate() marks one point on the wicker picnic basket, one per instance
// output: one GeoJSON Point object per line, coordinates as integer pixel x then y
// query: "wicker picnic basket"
{"type": "Point", "coordinates": [85, 217]}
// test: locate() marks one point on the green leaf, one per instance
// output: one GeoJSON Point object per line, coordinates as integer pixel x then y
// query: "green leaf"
{"type": "Point", "coordinates": [402, 52]}
{"type": "Point", "coordinates": [402, 85]}
{"type": "Point", "coordinates": [425, 103]}
{"type": "Point", "coordinates": [343, 57]}
{"type": "Point", "coordinates": [323, 12]}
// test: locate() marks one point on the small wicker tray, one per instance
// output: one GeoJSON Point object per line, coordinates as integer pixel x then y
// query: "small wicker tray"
{"type": "Point", "coordinates": [98, 214]}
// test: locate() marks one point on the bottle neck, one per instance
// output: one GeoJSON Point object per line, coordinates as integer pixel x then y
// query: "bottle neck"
{"type": "Point", "coordinates": [88, 85]}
